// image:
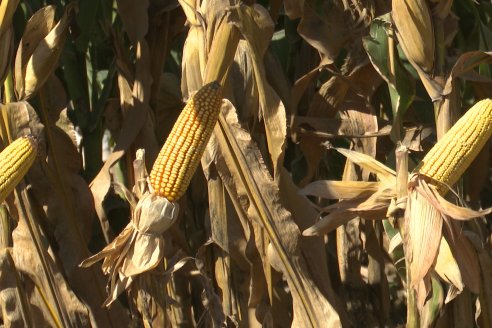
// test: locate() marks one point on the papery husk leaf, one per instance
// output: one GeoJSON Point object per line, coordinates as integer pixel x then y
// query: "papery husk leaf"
{"type": "Point", "coordinates": [222, 51]}
{"type": "Point", "coordinates": [415, 31]}
{"type": "Point", "coordinates": [449, 209]}
{"type": "Point", "coordinates": [465, 255]}
{"type": "Point", "coordinates": [44, 59]}
{"type": "Point", "coordinates": [7, 10]}
{"type": "Point", "coordinates": [453, 292]}
{"type": "Point", "coordinates": [190, 10]}
{"type": "Point", "coordinates": [447, 268]}
{"type": "Point", "coordinates": [462, 250]}
{"type": "Point", "coordinates": [139, 247]}
{"type": "Point", "coordinates": [37, 28]}
{"type": "Point", "coordinates": [329, 223]}
{"type": "Point", "coordinates": [376, 206]}
{"type": "Point", "coordinates": [340, 189]}
{"type": "Point", "coordinates": [384, 173]}
{"type": "Point", "coordinates": [423, 226]}
{"type": "Point", "coordinates": [194, 61]}
{"type": "Point", "coordinates": [194, 51]}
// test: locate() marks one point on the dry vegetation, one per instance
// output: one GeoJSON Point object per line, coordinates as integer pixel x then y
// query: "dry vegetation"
{"type": "Point", "coordinates": [317, 202]}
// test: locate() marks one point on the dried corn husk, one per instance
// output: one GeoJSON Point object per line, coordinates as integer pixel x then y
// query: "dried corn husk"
{"type": "Point", "coordinates": [140, 246]}
{"type": "Point", "coordinates": [415, 31]}
{"type": "Point", "coordinates": [40, 49]}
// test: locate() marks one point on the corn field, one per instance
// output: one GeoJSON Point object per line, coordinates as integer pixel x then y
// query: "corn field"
{"type": "Point", "coordinates": [226, 163]}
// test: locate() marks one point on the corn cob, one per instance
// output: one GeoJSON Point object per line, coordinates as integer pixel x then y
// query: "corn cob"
{"type": "Point", "coordinates": [453, 154]}
{"type": "Point", "coordinates": [183, 149]}
{"type": "Point", "coordinates": [15, 161]}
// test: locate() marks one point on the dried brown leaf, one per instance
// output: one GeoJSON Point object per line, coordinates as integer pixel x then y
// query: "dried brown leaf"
{"type": "Point", "coordinates": [33, 258]}
{"type": "Point", "coordinates": [326, 33]}
{"type": "Point", "coordinates": [386, 175]}
{"type": "Point", "coordinates": [340, 189]}
{"type": "Point", "coordinates": [13, 303]}
{"type": "Point", "coordinates": [44, 58]}
{"type": "Point", "coordinates": [254, 22]}
{"type": "Point", "coordinates": [37, 28]}
{"type": "Point", "coordinates": [329, 223]}
{"type": "Point", "coordinates": [135, 18]}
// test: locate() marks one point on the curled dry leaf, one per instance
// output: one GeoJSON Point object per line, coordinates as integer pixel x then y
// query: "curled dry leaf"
{"type": "Point", "coordinates": [40, 49]}
{"type": "Point", "coordinates": [340, 189]}
{"type": "Point", "coordinates": [7, 10]}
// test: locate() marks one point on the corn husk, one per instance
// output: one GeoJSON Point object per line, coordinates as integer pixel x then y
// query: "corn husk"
{"type": "Point", "coordinates": [40, 49]}
{"type": "Point", "coordinates": [140, 246]}
{"type": "Point", "coordinates": [415, 31]}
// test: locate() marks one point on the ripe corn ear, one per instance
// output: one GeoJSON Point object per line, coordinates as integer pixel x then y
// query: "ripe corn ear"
{"type": "Point", "coordinates": [184, 147]}
{"type": "Point", "coordinates": [446, 162]}
{"type": "Point", "coordinates": [15, 161]}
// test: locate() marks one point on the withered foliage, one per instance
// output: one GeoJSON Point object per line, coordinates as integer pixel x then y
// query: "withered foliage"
{"type": "Point", "coordinates": [308, 209]}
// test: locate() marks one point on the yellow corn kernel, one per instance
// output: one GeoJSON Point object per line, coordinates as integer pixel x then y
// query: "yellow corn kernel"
{"type": "Point", "coordinates": [15, 161]}
{"type": "Point", "coordinates": [184, 147]}
{"type": "Point", "coordinates": [446, 162]}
